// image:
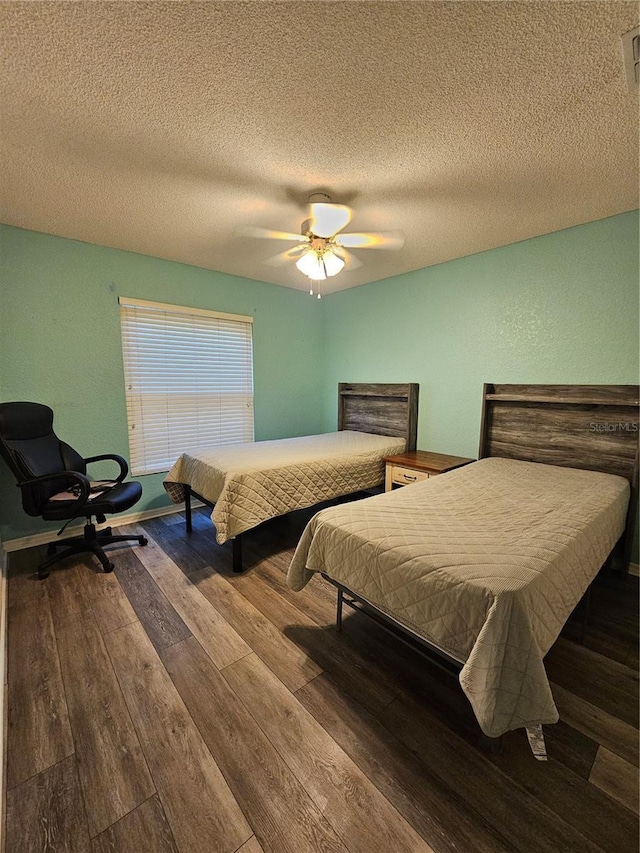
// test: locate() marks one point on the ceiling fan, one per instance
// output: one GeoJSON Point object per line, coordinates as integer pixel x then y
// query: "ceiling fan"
{"type": "Point", "coordinates": [322, 250]}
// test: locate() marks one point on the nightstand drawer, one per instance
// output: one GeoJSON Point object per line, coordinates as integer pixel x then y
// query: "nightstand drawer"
{"type": "Point", "coordinates": [404, 476]}
{"type": "Point", "coordinates": [417, 465]}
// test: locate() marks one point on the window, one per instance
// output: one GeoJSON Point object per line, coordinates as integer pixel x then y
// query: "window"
{"type": "Point", "coordinates": [188, 380]}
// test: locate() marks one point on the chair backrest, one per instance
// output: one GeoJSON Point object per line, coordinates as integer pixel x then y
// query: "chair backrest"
{"type": "Point", "coordinates": [31, 449]}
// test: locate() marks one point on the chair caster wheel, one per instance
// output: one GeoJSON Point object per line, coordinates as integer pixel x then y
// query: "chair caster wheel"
{"type": "Point", "coordinates": [42, 575]}
{"type": "Point", "coordinates": [144, 540]}
{"type": "Point", "coordinates": [108, 568]}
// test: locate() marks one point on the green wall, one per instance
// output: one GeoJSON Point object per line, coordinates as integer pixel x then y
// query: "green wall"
{"type": "Point", "coordinates": [562, 308]}
{"type": "Point", "coordinates": [60, 345]}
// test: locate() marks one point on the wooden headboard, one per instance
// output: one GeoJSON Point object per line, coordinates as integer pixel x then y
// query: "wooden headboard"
{"type": "Point", "coordinates": [576, 426]}
{"type": "Point", "coordinates": [380, 408]}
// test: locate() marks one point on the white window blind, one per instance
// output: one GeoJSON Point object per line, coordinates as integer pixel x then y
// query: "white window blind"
{"type": "Point", "coordinates": [188, 380]}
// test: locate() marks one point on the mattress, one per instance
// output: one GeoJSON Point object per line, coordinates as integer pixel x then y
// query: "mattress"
{"type": "Point", "coordinates": [485, 562]}
{"type": "Point", "coordinates": [250, 483]}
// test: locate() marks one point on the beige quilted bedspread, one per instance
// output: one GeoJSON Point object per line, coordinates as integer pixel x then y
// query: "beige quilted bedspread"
{"type": "Point", "coordinates": [486, 562]}
{"type": "Point", "coordinates": [252, 482]}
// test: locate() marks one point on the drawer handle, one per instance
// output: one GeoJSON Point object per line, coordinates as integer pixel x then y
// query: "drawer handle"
{"type": "Point", "coordinates": [408, 477]}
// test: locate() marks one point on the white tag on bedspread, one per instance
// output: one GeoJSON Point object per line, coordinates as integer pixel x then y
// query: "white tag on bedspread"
{"type": "Point", "coordinates": [536, 742]}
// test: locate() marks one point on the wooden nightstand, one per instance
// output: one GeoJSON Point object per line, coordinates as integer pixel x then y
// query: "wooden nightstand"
{"type": "Point", "coordinates": [418, 465]}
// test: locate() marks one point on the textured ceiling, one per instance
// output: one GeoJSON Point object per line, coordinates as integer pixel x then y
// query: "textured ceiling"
{"type": "Point", "coordinates": [170, 128]}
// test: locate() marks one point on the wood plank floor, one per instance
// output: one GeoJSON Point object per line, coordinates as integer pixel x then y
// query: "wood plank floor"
{"type": "Point", "coordinates": [174, 706]}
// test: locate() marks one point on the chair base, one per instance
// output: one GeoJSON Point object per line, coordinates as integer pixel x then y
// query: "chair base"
{"type": "Point", "coordinates": [93, 541]}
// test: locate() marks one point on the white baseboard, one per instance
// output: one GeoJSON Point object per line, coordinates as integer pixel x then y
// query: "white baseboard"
{"type": "Point", "coordinates": [51, 536]}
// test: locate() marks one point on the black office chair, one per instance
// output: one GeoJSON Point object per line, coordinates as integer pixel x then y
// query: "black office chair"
{"type": "Point", "coordinates": [52, 477]}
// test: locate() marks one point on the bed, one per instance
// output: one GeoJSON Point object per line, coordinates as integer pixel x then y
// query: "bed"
{"type": "Point", "coordinates": [247, 484]}
{"type": "Point", "coordinates": [483, 565]}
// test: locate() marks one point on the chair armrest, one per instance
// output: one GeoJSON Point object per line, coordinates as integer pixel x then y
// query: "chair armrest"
{"type": "Point", "coordinates": [124, 468]}
{"type": "Point", "coordinates": [74, 477]}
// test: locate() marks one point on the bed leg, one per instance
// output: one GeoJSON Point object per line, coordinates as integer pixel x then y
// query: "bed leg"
{"type": "Point", "coordinates": [586, 608]}
{"type": "Point", "coordinates": [339, 611]}
{"type": "Point", "coordinates": [492, 744]}
{"type": "Point", "coordinates": [237, 554]}
{"type": "Point", "coordinates": [187, 507]}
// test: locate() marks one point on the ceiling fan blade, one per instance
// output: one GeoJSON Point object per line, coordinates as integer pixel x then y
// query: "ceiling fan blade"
{"type": "Point", "coordinates": [251, 231]}
{"type": "Point", "coordinates": [371, 240]}
{"type": "Point", "coordinates": [284, 257]}
{"type": "Point", "coordinates": [350, 261]}
{"type": "Point", "coordinates": [326, 219]}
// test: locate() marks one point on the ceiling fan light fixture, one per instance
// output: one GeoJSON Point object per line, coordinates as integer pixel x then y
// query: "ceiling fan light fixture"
{"type": "Point", "coordinates": [323, 249]}
{"type": "Point", "coordinates": [311, 265]}
{"type": "Point", "coordinates": [332, 263]}
{"type": "Point", "coordinates": [320, 264]}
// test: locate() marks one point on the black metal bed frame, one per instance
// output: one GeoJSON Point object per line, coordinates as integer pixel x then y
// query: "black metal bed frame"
{"type": "Point", "coordinates": [410, 638]}
{"type": "Point", "coordinates": [392, 626]}
{"type": "Point", "coordinates": [434, 654]}
{"type": "Point", "coordinates": [236, 542]}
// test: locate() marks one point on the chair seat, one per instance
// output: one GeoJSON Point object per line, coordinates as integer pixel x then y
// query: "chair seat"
{"type": "Point", "coordinates": [117, 499]}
